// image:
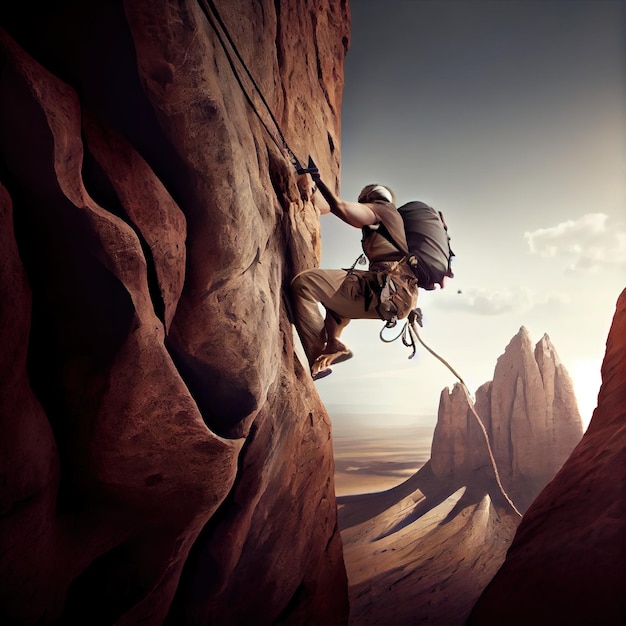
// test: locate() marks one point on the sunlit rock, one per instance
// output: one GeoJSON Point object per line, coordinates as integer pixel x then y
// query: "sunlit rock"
{"type": "Point", "coordinates": [530, 416]}
{"type": "Point", "coordinates": [566, 563]}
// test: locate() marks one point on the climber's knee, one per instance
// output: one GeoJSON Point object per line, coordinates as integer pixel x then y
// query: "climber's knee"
{"type": "Point", "coordinates": [301, 285]}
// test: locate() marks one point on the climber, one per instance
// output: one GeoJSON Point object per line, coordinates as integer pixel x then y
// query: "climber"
{"type": "Point", "coordinates": [387, 291]}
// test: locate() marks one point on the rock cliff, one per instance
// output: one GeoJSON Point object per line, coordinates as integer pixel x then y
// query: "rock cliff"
{"type": "Point", "coordinates": [530, 415]}
{"type": "Point", "coordinates": [163, 454]}
{"type": "Point", "coordinates": [566, 564]}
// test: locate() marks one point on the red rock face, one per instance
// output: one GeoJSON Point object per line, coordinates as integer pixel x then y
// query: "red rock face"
{"type": "Point", "coordinates": [163, 454]}
{"type": "Point", "coordinates": [567, 562]}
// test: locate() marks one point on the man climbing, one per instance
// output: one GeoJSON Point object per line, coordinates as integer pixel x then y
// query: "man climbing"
{"type": "Point", "coordinates": [387, 291]}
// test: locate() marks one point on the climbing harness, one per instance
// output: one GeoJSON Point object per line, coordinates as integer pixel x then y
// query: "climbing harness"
{"type": "Point", "coordinates": [214, 18]}
{"type": "Point", "coordinates": [410, 334]}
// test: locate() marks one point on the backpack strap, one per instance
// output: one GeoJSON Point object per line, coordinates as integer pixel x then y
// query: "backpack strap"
{"type": "Point", "coordinates": [391, 224]}
{"type": "Point", "coordinates": [386, 233]}
{"type": "Point", "coordinates": [409, 259]}
{"type": "Point", "coordinates": [449, 273]}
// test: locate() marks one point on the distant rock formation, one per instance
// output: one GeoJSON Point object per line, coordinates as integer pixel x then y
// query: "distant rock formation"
{"type": "Point", "coordinates": [530, 414]}
{"type": "Point", "coordinates": [163, 454]}
{"type": "Point", "coordinates": [567, 563]}
{"type": "Point", "coordinates": [422, 552]}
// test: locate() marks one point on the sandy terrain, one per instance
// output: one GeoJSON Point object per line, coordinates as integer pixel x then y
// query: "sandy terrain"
{"type": "Point", "coordinates": [422, 552]}
{"type": "Point", "coordinates": [368, 460]}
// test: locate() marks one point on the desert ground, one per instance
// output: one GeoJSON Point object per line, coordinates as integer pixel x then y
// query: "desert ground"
{"type": "Point", "coordinates": [370, 459]}
{"type": "Point", "coordinates": [417, 550]}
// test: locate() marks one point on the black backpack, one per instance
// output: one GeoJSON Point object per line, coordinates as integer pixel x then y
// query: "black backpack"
{"type": "Point", "coordinates": [428, 240]}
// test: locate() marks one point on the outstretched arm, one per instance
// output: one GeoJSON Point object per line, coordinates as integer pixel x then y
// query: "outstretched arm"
{"type": "Point", "coordinates": [354, 213]}
{"type": "Point", "coordinates": [318, 200]}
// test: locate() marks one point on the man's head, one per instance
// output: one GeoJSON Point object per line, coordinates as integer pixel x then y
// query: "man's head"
{"type": "Point", "coordinates": [369, 193]}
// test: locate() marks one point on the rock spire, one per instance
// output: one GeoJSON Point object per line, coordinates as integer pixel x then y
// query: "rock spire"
{"type": "Point", "coordinates": [530, 413]}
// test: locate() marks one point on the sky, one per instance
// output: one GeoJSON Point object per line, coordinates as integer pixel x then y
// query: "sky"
{"type": "Point", "coordinates": [508, 116]}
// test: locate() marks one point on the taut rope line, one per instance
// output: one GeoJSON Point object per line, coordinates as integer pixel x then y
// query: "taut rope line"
{"type": "Point", "coordinates": [212, 14]}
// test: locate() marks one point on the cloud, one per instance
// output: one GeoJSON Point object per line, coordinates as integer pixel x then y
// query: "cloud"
{"type": "Point", "coordinates": [484, 301]}
{"type": "Point", "coordinates": [589, 242]}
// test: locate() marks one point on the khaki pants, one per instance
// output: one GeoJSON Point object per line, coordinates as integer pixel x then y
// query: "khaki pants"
{"type": "Point", "coordinates": [345, 295]}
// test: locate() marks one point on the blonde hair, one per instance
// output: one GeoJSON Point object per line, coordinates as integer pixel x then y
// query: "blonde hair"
{"type": "Point", "coordinates": [372, 192]}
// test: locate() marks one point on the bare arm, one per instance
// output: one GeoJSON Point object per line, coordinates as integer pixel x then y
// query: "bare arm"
{"type": "Point", "coordinates": [353, 213]}
{"type": "Point", "coordinates": [319, 202]}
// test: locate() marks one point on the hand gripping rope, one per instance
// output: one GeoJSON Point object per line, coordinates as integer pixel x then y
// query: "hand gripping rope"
{"type": "Point", "coordinates": [409, 334]}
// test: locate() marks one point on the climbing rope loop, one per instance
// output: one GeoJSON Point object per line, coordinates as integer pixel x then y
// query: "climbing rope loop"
{"type": "Point", "coordinates": [386, 327]}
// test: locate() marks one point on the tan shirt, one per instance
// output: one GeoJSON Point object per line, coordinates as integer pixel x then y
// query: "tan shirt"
{"type": "Point", "coordinates": [375, 245]}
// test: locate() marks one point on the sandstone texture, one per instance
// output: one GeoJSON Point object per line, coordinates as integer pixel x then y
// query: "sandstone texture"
{"type": "Point", "coordinates": [567, 563]}
{"type": "Point", "coordinates": [530, 416]}
{"type": "Point", "coordinates": [164, 457]}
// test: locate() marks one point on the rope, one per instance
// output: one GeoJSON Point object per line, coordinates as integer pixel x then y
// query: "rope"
{"type": "Point", "coordinates": [212, 14]}
{"type": "Point", "coordinates": [416, 315]}
{"type": "Point", "coordinates": [360, 260]}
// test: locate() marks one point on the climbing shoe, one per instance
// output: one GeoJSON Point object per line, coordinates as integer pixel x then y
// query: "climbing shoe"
{"type": "Point", "coordinates": [322, 373]}
{"type": "Point", "coordinates": [339, 357]}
